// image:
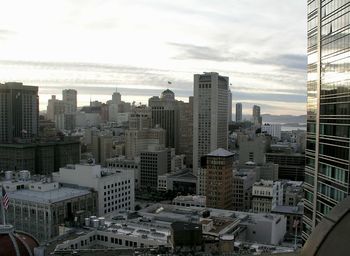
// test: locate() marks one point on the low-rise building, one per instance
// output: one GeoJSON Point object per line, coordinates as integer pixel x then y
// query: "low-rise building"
{"type": "Point", "coordinates": [115, 188]}
{"type": "Point", "coordinates": [181, 181]}
{"type": "Point", "coordinates": [39, 208]}
{"type": "Point", "coordinates": [196, 201]}
{"type": "Point", "coordinates": [294, 215]}
{"type": "Point", "coordinates": [266, 195]}
{"type": "Point", "coordinates": [243, 181]}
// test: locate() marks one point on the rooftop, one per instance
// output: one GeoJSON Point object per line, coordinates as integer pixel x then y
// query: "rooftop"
{"type": "Point", "coordinates": [286, 209]}
{"type": "Point", "coordinates": [47, 197]}
{"type": "Point", "coordinates": [220, 152]}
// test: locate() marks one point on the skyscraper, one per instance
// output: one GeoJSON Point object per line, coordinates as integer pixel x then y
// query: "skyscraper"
{"type": "Point", "coordinates": [328, 110]}
{"type": "Point", "coordinates": [69, 97]}
{"type": "Point", "coordinates": [210, 124]}
{"type": "Point", "coordinates": [238, 112]}
{"type": "Point", "coordinates": [165, 113]}
{"type": "Point", "coordinates": [257, 119]}
{"type": "Point", "coordinates": [229, 105]}
{"type": "Point", "coordinates": [19, 112]}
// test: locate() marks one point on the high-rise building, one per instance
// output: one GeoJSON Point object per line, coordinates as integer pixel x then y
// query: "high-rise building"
{"type": "Point", "coordinates": [328, 126]}
{"type": "Point", "coordinates": [154, 161]}
{"type": "Point", "coordinates": [238, 112]}
{"type": "Point", "coordinates": [165, 113]}
{"type": "Point", "coordinates": [69, 98]}
{"type": "Point", "coordinates": [210, 124]}
{"type": "Point", "coordinates": [257, 119]}
{"type": "Point", "coordinates": [229, 106]}
{"type": "Point", "coordinates": [140, 118]}
{"type": "Point", "coordinates": [217, 167]}
{"type": "Point", "coordinates": [186, 131]}
{"type": "Point", "coordinates": [19, 112]}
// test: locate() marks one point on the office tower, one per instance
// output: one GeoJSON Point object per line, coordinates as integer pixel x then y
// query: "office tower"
{"type": "Point", "coordinates": [257, 119]}
{"type": "Point", "coordinates": [69, 98]}
{"type": "Point", "coordinates": [19, 112]}
{"type": "Point", "coordinates": [229, 106]}
{"type": "Point", "coordinates": [40, 157]}
{"type": "Point", "coordinates": [56, 112]}
{"type": "Point", "coordinates": [140, 118]}
{"type": "Point", "coordinates": [217, 167]}
{"type": "Point", "coordinates": [328, 127]}
{"type": "Point", "coordinates": [243, 181]}
{"type": "Point", "coordinates": [140, 140]}
{"type": "Point", "coordinates": [154, 161]}
{"type": "Point", "coordinates": [165, 113]}
{"type": "Point", "coordinates": [210, 124]}
{"type": "Point", "coordinates": [186, 131]}
{"type": "Point", "coordinates": [238, 112]}
{"type": "Point", "coordinates": [115, 188]}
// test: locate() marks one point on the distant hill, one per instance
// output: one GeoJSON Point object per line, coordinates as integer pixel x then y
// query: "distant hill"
{"type": "Point", "coordinates": [287, 119]}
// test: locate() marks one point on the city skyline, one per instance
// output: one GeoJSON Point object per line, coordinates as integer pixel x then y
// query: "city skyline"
{"type": "Point", "coordinates": [137, 47]}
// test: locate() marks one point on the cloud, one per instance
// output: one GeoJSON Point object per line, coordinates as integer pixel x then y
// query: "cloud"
{"type": "Point", "coordinates": [6, 34]}
{"type": "Point", "coordinates": [197, 52]}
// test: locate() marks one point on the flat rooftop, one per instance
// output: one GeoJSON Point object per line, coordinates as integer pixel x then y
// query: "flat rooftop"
{"type": "Point", "coordinates": [47, 197]}
{"type": "Point", "coordinates": [286, 209]}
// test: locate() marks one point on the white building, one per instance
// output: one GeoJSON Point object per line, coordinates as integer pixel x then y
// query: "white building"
{"type": "Point", "coordinates": [266, 195]}
{"type": "Point", "coordinates": [210, 122]}
{"type": "Point", "coordinates": [121, 163]}
{"type": "Point", "coordinates": [273, 129]}
{"type": "Point", "coordinates": [116, 191]}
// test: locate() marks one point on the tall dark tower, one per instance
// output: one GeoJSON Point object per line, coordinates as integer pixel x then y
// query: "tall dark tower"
{"type": "Point", "coordinates": [19, 112]}
{"type": "Point", "coordinates": [328, 110]}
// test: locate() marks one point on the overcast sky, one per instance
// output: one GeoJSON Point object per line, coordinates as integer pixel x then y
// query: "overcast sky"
{"type": "Point", "coordinates": [138, 45]}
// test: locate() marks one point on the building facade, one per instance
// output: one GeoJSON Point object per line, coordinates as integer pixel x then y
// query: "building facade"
{"type": "Point", "coordinates": [69, 97]}
{"type": "Point", "coordinates": [19, 112]}
{"type": "Point", "coordinates": [154, 162]}
{"type": "Point", "coordinates": [39, 158]}
{"type": "Point", "coordinates": [327, 150]}
{"type": "Point", "coordinates": [39, 208]}
{"type": "Point", "coordinates": [229, 105]}
{"type": "Point", "coordinates": [217, 167]}
{"type": "Point", "coordinates": [272, 129]}
{"type": "Point", "coordinates": [243, 181]}
{"type": "Point", "coordinates": [267, 194]}
{"type": "Point", "coordinates": [165, 114]}
{"type": "Point", "coordinates": [210, 123]}
{"type": "Point", "coordinates": [257, 119]}
{"type": "Point", "coordinates": [239, 112]}
{"type": "Point", "coordinates": [115, 188]}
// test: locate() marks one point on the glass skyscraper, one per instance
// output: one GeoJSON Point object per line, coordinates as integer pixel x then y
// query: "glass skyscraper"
{"type": "Point", "coordinates": [328, 109]}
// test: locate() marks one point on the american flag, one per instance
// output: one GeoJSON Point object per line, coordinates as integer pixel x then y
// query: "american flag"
{"type": "Point", "coordinates": [5, 199]}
